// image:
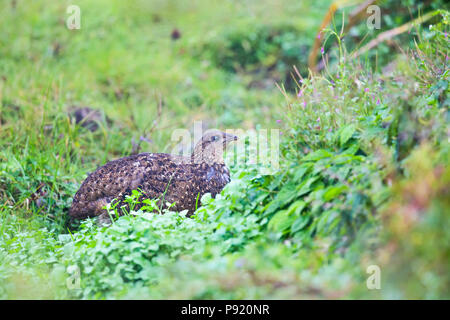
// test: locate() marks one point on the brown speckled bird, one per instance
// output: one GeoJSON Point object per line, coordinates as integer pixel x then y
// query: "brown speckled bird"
{"type": "Point", "coordinates": [182, 180]}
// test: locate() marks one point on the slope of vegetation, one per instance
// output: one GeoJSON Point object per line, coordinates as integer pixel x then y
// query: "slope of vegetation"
{"type": "Point", "coordinates": [363, 177]}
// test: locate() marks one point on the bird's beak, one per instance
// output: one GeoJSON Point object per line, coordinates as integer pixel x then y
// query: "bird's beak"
{"type": "Point", "coordinates": [230, 137]}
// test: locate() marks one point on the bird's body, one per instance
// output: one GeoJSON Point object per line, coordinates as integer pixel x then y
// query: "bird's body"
{"type": "Point", "coordinates": [171, 178]}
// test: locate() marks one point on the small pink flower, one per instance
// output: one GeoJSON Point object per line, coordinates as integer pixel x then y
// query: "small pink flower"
{"type": "Point", "coordinates": [378, 101]}
{"type": "Point", "coordinates": [278, 121]}
{"type": "Point", "coordinates": [304, 104]}
{"type": "Point", "coordinates": [322, 50]}
{"type": "Point", "coordinates": [366, 90]}
{"type": "Point", "coordinates": [300, 93]}
{"type": "Point", "coordinates": [318, 36]}
{"type": "Point", "coordinates": [318, 119]}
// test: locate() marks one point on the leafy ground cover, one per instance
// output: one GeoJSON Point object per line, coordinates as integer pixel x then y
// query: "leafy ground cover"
{"type": "Point", "coordinates": [363, 176]}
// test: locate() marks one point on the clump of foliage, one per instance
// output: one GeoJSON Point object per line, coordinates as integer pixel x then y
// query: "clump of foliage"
{"type": "Point", "coordinates": [416, 229]}
{"type": "Point", "coordinates": [261, 51]}
{"type": "Point", "coordinates": [137, 246]}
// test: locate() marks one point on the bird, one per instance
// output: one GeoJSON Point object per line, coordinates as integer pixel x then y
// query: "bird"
{"type": "Point", "coordinates": [178, 180]}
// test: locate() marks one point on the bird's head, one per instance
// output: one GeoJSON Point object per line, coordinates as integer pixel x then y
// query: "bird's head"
{"type": "Point", "coordinates": [210, 147]}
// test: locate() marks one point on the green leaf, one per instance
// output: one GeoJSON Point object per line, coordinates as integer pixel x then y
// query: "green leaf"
{"type": "Point", "coordinates": [300, 223]}
{"type": "Point", "coordinates": [305, 187]}
{"type": "Point", "coordinates": [317, 155]}
{"type": "Point", "coordinates": [297, 207]}
{"type": "Point", "coordinates": [301, 171]}
{"type": "Point", "coordinates": [346, 133]}
{"type": "Point", "coordinates": [281, 221]}
{"type": "Point", "coordinates": [333, 192]}
{"type": "Point", "coordinates": [286, 194]}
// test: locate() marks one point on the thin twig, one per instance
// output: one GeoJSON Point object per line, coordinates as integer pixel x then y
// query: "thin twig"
{"type": "Point", "coordinates": [387, 35]}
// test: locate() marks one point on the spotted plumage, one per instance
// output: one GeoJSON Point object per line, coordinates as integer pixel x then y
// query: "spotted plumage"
{"type": "Point", "coordinates": [171, 178]}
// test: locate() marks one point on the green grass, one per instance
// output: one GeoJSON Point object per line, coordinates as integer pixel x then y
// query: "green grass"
{"type": "Point", "coordinates": [356, 142]}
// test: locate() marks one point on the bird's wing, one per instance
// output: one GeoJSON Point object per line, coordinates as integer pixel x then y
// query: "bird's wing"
{"type": "Point", "coordinates": [150, 172]}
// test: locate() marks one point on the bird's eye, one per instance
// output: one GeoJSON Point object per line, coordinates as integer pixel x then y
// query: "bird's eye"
{"type": "Point", "coordinates": [215, 138]}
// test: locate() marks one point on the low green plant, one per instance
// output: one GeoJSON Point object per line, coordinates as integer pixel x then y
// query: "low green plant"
{"type": "Point", "coordinates": [362, 177]}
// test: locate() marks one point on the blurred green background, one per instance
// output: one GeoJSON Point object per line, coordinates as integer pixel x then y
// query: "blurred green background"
{"type": "Point", "coordinates": [363, 177]}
